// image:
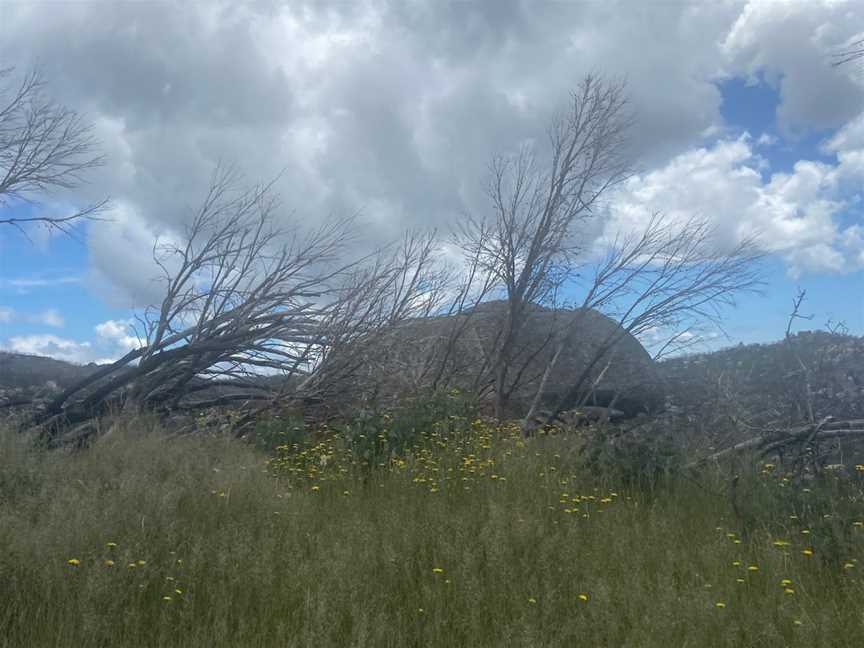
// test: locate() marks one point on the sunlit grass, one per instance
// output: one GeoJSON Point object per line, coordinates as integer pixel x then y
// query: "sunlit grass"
{"type": "Point", "coordinates": [470, 536]}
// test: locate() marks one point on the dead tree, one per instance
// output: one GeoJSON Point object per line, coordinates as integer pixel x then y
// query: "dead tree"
{"type": "Point", "coordinates": [44, 146]}
{"type": "Point", "coordinates": [670, 277]}
{"type": "Point", "coordinates": [853, 52]}
{"type": "Point", "coordinates": [527, 242]}
{"type": "Point", "coordinates": [243, 298]}
{"type": "Point", "coordinates": [801, 391]}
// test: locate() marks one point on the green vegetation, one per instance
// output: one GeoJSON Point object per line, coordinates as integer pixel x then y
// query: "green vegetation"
{"type": "Point", "coordinates": [468, 536]}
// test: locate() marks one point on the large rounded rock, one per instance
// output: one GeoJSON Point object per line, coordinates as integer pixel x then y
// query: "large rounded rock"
{"type": "Point", "coordinates": [456, 351]}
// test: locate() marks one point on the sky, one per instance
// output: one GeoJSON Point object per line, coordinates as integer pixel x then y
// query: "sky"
{"type": "Point", "coordinates": [393, 110]}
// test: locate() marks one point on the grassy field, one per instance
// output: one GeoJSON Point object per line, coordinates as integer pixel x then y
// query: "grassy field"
{"type": "Point", "coordinates": [469, 537]}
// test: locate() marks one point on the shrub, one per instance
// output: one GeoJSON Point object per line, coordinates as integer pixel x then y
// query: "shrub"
{"type": "Point", "coordinates": [641, 459]}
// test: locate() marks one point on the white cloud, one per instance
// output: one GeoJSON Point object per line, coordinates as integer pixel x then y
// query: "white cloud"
{"type": "Point", "coordinates": [116, 333]}
{"type": "Point", "coordinates": [111, 342]}
{"type": "Point", "coordinates": [50, 317]}
{"type": "Point", "coordinates": [25, 283]}
{"type": "Point", "coordinates": [792, 43]}
{"type": "Point", "coordinates": [51, 346]}
{"type": "Point", "coordinates": [394, 109]}
{"type": "Point", "coordinates": [796, 215]}
{"type": "Point", "coordinates": [122, 269]}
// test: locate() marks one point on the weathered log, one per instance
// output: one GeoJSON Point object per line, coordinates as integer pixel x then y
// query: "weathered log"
{"type": "Point", "coordinates": [774, 439]}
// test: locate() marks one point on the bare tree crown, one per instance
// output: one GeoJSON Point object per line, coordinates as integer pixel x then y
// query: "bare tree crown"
{"type": "Point", "coordinates": [44, 146]}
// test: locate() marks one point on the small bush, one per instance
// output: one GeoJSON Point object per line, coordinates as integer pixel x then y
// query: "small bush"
{"type": "Point", "coordinates": [375, 435]}
{"type": "Point", "coordinates": [641, 460]}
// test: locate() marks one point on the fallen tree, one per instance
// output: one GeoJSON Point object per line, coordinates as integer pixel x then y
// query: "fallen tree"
{"type": "Point", "coordinates": [799, 440]}
{"type": "Point", "coordinates": [251, 317]}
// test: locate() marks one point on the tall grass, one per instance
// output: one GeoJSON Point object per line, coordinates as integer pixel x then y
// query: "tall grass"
{"type": "Point", "coordinates": [472, 537]}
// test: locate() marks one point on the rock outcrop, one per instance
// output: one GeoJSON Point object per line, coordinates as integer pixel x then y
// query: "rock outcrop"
{"type": "Point", "coordinates": [454, 350]}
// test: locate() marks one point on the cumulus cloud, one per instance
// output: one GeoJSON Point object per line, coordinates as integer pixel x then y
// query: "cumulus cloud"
{"type": "Point", "coordinates": [116, 333]}
{"type": "Point", "coordinates": [50, 345]}
{"type": "Point", "coordinates": [792, 45]}
{"type": "Point", "coordinates": [388, 108]}
{"type": "Point", "coordinates": [393, 109]}
{"type": "Point", "coordinates": [122, 270]}
{"type": "Point", "coordinates": [793, 214]}
{"type": "Point", "coordinates": [112, 340]}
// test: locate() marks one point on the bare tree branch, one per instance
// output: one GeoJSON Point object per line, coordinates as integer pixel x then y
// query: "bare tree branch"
{"type": "Point", "coordinates": [527, 241]}
{"type": "Point", "coordinates": [44, 146]}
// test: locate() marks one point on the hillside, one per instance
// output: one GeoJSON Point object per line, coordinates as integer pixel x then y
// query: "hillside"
{"type": "Point", "coordinates": [32, 372]}
{"type": "Point", "coordinates": [767, 381]}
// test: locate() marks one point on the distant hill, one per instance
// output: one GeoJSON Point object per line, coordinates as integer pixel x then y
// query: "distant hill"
{"type": "Point", "coordinates": [767, 380]}
{"type": "Point", "coordinates": [23, 371]}
{"type": "Point", "coordinates": [764, 382]}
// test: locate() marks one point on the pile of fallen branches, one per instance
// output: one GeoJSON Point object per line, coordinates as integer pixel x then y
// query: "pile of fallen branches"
{"type": "Point", "coordinates": [254, 316]}
{"type": "Point", "coordinates": [801, 442]}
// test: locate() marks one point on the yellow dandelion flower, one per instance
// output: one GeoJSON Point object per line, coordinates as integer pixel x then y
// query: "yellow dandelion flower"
{"type": "Point", "coordinates": [167, 599]}
{"type": "Point", "coordinates": [73, 561]}
{"type": "Point", "coordinates": [753, 568]}
{"type": "Point", "coordinates": [111, 545]}
{"type": "Point", "coordinates": [788, 590]}
{"type": "Point", "coordinates": [316, 488]}
{"type": "Point", "coordinates": [178, 590]}
{"type": "Point", "coordinates": [785, 582]}
{"type": "Point", "coordinates": [740, 580]}
{"type": "Point", "coordinates": [132, 565]}
{"type": "Point", "coordinates": [736, 563]}
{"type": "Point", "coordinates": [140, 563]}
{"type": "Point", "coordinates": [583, 596]}
{"type": "Point", "coordinates": [720, 604]}
{"type": "Point", "coordinates": [437, 570]}
{"type": "Point", "coordinates": [807, 552]}
{"type": "Point", "coordinates": [848, 565]}
{"type": "Point", "coordinates": [108, 563]}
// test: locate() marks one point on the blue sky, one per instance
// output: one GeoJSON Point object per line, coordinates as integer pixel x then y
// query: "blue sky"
{"type": "Point", "coordinates": [395, 111]}
{"type": "Point", "coordinates": [751, 107]}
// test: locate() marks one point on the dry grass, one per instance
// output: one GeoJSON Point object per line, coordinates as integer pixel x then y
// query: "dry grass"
{"type": "Point", "coordinates": [474, 538]}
